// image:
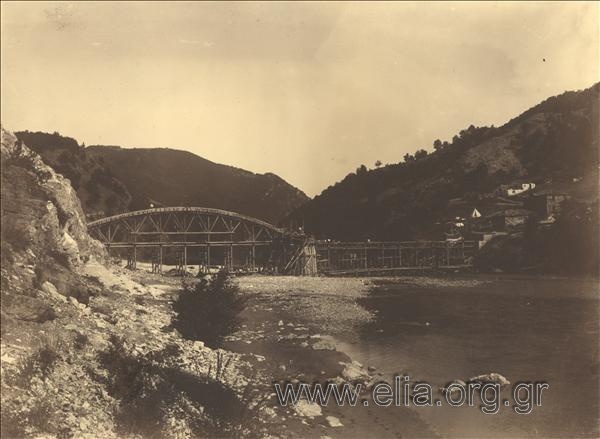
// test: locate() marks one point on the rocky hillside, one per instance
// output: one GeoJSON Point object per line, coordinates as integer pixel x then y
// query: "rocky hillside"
{"type": "Point", "coordinates": [111, 179]}
{"type": "Point", "coordinates": [99, 191]}
{"type": "Point", "coordinates": [553, 143]}
{"type": "Point", "coordinates": [87, 348]}
{"type": "Point", "coordinates": [44, 232]}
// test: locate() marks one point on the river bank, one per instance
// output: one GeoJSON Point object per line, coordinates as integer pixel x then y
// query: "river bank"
{"type": "Point", "coordinates": [435, 329]}
{"type": "Point", "coordinates": [295, 323]}
{"type": "Point", "coordinates": [114, 367]}
{"type": "Point", "coordinates": [303, 329]}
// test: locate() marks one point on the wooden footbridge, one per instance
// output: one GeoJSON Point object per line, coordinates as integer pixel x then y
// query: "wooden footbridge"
{"type": "Point", "coordinates": [214, 238]}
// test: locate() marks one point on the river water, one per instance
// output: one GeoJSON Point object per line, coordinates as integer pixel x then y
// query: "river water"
{"type": "Point", "coordinates": [525, 328]}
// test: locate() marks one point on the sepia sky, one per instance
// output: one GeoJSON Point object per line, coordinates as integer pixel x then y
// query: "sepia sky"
{"type": "Point", "coordinates": [309, 91]}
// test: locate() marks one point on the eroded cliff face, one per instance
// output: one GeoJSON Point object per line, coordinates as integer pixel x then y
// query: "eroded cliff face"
{"type": "Point", "coordinates": [44, 235]}
{"type": "Point", "coordinates": [40, 209]}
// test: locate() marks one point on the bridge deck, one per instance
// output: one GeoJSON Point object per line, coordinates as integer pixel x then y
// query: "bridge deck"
{"type": "Point", "coordinates": [342, 258]}
{"type": "Point", "coordinates": [205, 236]}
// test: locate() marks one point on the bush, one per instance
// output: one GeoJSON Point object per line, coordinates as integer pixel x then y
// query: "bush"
{"type": "Point", "coordinates": [26, 412]}
{"type": "Point", "coordinates": [151, 393]}
{"type": "Point", "coordinates": [18, 423]}
{"type": "Point", "coordinates": [209, 311]}
{"type": "Point", "coordinates": [39, 364]}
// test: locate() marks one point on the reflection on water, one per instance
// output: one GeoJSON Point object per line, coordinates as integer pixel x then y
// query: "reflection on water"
{"type": "Point", "coordinates": [528, 329]}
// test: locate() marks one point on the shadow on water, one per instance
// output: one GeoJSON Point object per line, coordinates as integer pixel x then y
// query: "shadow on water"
{"type": "Point", "coordinates": [528, 329]}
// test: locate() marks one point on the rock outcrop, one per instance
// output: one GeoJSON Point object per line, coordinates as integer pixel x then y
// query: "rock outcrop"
{"type": "Point", "coordinates": [36, 199]}
{"type": "Point", "coordinates": [44, 233]}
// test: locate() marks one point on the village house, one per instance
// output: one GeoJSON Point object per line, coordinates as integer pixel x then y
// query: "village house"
{"type": "Point", "coordinates": [516, 188]}
{"type": "Point", "coordinates": [465, 218]}
{"type": "Point", "coordinates": [548, 203]}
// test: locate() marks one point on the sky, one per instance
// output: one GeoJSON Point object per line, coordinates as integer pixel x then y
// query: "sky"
{"type": "Point", "coordinates": [309, 91]}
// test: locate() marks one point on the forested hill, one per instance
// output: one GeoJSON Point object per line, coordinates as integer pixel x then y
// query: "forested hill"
{"type": "Point", "coordinates": [110, 179]}
{"type": "Point", "coordinates": [173, 177]}
{"type": "Point", "coordinates": [552, 143]}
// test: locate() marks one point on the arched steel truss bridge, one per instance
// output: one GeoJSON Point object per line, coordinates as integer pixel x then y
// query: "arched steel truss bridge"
{"type": "Point", "coordinates": [200, 235]}
{"type": "Point", "coordinates": [210, 238]}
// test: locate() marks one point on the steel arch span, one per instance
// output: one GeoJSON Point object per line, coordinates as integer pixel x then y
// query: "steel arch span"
{"type": "Point", "coordinates": [186, 229]}
{"type": "Point", "coordinates": [186, 224]}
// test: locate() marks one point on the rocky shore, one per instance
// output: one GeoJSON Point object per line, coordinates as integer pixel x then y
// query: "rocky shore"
{"type": "Point", "coordinates": [292, 324]}
{"type": "Point", "coordinates": [76, 392]}
{"type": "Point", "coordinates": [284, 338]}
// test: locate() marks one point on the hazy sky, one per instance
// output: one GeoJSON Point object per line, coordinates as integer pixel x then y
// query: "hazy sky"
{"type": "Point", "coordinates": [306, 90]}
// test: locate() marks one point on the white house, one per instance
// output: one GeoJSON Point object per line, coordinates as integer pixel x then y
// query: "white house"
{"type": "Point", "coordinates": [516, 189]}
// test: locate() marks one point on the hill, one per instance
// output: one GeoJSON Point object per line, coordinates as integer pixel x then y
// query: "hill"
{"type": "Point", "coordinates": [170, 177]}
{"type": "Point", "coordinates": [553, 143]}
{"type": "Point", "coordinates": [110, 179]}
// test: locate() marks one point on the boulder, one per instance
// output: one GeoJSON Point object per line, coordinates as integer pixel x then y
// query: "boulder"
{"type": "Point", "coordinates": [491, 377]}
{"type": "Point", "coordinates": [307, 409]}
{"type": "Point", "coordinates": [27, 308]}
{"type": "Point", "coordinates": [324, 345]}
{"type": "Point", "coordinates": [333, 421]}
{"type": "Point", "coordinates": [355, 372]}
{"type": "Point", "coordinates": [51, 290]}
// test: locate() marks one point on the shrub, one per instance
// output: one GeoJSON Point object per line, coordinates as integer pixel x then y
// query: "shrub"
{"type": "Point", "coordinates": [26, 412]}
{"type": "Point", "coordinates": [150, 392]}
{"type": "Point", "coordinates": [18, 422]}
{"type": "Point", "coordinates": [39, 364]}
{"type": "Point", "coordinates": [209, 311]}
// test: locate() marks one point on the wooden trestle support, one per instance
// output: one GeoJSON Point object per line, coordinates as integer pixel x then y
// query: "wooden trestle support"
{"type": "Point", "coordinates": [212, 239]}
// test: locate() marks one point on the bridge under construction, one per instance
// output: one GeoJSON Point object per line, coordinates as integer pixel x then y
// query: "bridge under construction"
{"type": "Point", "coordinates": [214, 238]}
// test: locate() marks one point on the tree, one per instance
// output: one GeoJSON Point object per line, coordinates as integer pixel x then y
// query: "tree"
{"type": "Point", "coordinates": [209, 311]}
{"type": "Point", "coordinates": [362, 169]}
{"type": "Point", "coordinates": [437, 145]}
{"type": "Point", "coordinates": [408, 158]}
{"type": "Point", "coordinates": [421, 153]}
{"type": "Point", "coordinates": [378, 163]}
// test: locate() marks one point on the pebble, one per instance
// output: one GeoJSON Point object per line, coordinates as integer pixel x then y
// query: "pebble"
{"type": "Point", "coordinates": [333, 421]}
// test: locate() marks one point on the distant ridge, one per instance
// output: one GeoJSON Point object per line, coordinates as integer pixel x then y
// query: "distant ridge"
{"type": "Point", "coordinates": [111, 179]}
